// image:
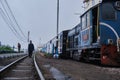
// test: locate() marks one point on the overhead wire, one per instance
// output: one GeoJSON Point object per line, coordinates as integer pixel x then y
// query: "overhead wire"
{"type": "Point", "coordinates": [14, 18]}
{"type": "Point", "coordinates": [7, 22]}
{"type": "Point", "coordinates": [9, 19]}
{"type": "Point", "coordinates": [11, 22]}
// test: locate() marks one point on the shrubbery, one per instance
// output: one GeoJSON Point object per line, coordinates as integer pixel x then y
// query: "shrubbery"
{"type": "Point", "coordinates": [48, 55]}
{"type": "Point", "coordinates": [6, 49]}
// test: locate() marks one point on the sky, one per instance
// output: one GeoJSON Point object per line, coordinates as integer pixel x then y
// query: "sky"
{"type": "Point", "coordinates": [39, 17]}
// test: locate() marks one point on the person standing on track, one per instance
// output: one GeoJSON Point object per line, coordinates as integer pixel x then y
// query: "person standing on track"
{"type": "Point", "coordinates": [30, 48]}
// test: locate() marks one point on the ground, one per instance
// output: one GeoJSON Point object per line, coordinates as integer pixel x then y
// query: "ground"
{"type": "Point", "coordinates": [74, 70]}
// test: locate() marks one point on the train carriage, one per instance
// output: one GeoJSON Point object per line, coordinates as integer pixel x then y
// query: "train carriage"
{"type": "Point", "coordinates": [73, 42]}
{"type": "Point", "coordinates": [50, 46]}
{"type": "Point", "coordinates": [100, 32]}
{"type": "Point", "coordinates": [96, 37]}
{"type": "Point", "coordinates": [63, 44]}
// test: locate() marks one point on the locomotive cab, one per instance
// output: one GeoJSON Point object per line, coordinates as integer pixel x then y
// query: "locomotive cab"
{"type": "Point", "coordinates": [100, 31]}
{"type": "Point", "coordinates": [109, 32]}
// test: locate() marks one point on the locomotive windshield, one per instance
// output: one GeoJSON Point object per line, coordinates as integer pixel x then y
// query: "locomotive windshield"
{"type": "Point", "coordinates": [108, 11]}
{"type": "Point", "coordinates": [117, 5]}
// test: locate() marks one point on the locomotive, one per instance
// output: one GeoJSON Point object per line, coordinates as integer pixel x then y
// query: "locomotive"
{"type": "Point", "coordinates": [97, 36]}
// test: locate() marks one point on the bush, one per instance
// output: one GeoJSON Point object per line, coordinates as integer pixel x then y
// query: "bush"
{"type": "Point", "coordinates": [48, 55]}
{"type": "Point", "coordinates": [6, 49]}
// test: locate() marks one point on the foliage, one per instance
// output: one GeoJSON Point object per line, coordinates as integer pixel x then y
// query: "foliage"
{"type": "Point", "coordinates": [5, 49]}
{"type": "Point", "coordinates": [48, 55]}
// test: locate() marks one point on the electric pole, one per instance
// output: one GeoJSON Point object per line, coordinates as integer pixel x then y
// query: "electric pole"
{"type": "Point", "coordinates": [28, 36]}
{"type": "Point", "coordinates": [57, 26]}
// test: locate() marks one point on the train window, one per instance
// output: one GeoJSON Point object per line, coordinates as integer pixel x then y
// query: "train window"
{"type": "Point", "coordinates": [117, 5]}
{"type": "Point", "coordinates": [88, 19]}
{"type": "Point", "coordinates": [84, 22]}
{"type": "Point", "coordinates": [76, 41]}
{"type": "Point", "coordinates": [61, 40]}
{"type": "Point", "coordinates": [108, 11]}
{"type": "Point", "coordinates": [69, 42]}
{"type": "Point", "coordinates": [70, 38]}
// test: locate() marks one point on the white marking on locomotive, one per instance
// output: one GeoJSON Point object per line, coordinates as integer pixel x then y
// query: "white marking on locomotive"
{"type": "Point", "coordinates": [107, 25]}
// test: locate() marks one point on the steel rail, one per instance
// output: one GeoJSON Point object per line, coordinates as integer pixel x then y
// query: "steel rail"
{"type": "Point", "coordinates": [11, 64]}
{"type": "Point", "coordinates": [38, 70]}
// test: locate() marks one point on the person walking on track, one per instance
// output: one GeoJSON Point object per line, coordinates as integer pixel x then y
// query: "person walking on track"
{"type": "Point", "coordinates": [30, 48]}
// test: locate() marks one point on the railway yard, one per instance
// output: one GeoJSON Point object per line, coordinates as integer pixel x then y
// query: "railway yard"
{"type": "Point", "coordinates": [58, 69]}
{"type": "Point", "coordinates": [18, 67]}
{"type": "Point", "coordinates": [74, 70]}
{"type": "Point", "coordinates": [89, 50]}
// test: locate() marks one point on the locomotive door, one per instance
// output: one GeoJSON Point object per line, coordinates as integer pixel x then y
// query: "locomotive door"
{"type": "Point", "coordinates": [95, 23]}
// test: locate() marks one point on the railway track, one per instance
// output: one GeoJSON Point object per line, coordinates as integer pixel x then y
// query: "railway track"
{"type": "Point", "coordinates": [24, 68]}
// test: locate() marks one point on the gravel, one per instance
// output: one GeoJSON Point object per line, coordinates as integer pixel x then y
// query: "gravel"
{"type": "Point", "coordinates": [75, 70]}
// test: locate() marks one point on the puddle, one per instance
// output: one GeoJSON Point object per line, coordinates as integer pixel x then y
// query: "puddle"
{"type": "Point", "coordinates": [1, 67]}
{"type": "Point", "coordinates": [47, 66]}
{"type": "Point", "coordinates": [58, 75]}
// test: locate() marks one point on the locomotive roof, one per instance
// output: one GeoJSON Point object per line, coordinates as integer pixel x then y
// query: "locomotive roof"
{"type": "Point", "coordinates": [88, 4]}
{"type": "Point", "coordinates": [75, 29]}
{"type": "Point", "coordinates": [92, 3]}
{"type": "Point", "coordinates": [85, 1]}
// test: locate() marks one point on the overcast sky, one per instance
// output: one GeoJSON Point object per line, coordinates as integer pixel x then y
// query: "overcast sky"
{"type": "Point", "coordinates": [38, 17]}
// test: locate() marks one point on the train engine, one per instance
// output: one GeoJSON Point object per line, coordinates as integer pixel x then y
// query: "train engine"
{"type": "Point", "coordinates": [99, 33]}
{"type": "Point", "coordinates": [110, 32]}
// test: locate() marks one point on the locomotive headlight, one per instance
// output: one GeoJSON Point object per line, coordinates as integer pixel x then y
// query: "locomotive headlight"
{"type": "Point", "coordinates": [110, 41]}
{"type": "Point", "coordinates": [117, 5]}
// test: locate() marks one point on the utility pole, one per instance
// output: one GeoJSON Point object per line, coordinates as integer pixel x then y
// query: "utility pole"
{"type": "Point", "coordinates": [57, 16]}
{"type": "Point", "coordinates": [40, 43]}
{"type": "Point", "coordinates": [56, 50]}
{"type": "Point", "coordinates": [28, 36]}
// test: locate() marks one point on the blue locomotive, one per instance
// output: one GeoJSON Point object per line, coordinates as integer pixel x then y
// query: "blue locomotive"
{"type": "Point", "coordinates": [97, 36]}
{"type": "Point", "coordinates": [99, 32]}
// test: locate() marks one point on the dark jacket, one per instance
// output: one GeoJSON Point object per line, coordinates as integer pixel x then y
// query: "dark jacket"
{"type": "Point", "coordinates": [30, 47]}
